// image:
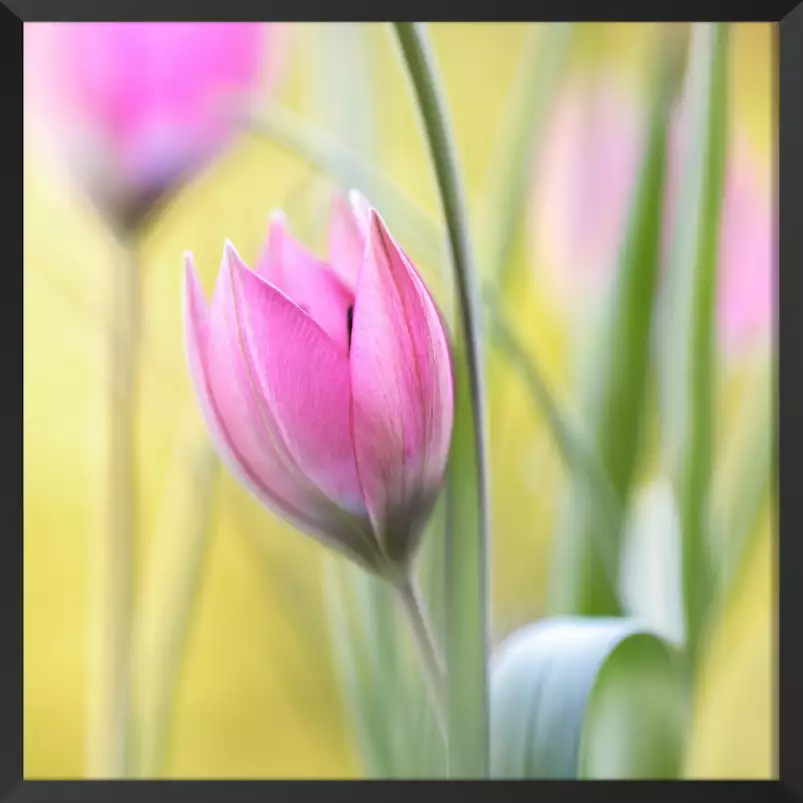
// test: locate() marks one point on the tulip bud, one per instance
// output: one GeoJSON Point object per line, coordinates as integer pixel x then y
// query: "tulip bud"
{"type": "Point", "coordinates": [327, 386]}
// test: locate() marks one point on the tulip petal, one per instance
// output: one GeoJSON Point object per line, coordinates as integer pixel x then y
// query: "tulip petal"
{"type": "Point", "coordinates": [307, 280]}
{"type": "Point", "coordinates": [246, 440]}
{"type": "Point", "coordinates": [304, 379]}
{"type": "Point", "coordinates": [197, 343]}
{"type": "Point", "coordinates": [346, 237]}
{"type": "Point", "coordinates": [361, 210]}
{"type": "Point", "coordinates": [402, 393]}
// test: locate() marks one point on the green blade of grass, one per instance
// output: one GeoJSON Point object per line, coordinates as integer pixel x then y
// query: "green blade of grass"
{"type": "Point", "coordinates": [466, 581]}
{"type": "Point", "coordinates": [465, 591]}
{"type": "Point", "coordinates": [615, 397]}
{"type": "Point", "coordinates": [688, 366]}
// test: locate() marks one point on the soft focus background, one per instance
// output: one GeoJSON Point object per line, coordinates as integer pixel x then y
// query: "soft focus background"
{"type": "Point", "coordinates": [258, 696]}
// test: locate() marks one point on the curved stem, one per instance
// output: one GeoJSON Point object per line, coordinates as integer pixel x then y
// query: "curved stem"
{"type": "Point", "coordinates": [466, 581]}
{"type": "Point", "coordinates": [421, 65]}
{"type": "Point", "coordinates": [413, 607]}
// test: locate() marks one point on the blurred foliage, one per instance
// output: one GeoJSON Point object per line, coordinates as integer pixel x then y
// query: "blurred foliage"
{"type": "Point", "coordinates": [258, 695]}
{"type": "Point", "coordinates": [585, 577]}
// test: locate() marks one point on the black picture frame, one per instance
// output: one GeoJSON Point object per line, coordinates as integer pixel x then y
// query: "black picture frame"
{"type": "Point", "coordinates": [789, 32]}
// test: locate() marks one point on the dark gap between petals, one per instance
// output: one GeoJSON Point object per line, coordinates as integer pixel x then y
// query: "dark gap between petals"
{"type": "Point", "coordinates": [349, 323]}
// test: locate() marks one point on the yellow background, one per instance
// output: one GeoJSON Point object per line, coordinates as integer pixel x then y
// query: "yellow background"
{"type": "Point", "coordinates": [258, 697]}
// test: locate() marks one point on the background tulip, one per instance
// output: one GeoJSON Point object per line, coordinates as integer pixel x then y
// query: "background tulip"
{"type": "Point", "coordinates": [132, 110]}
{"type": "Point", "coordinates": [135, 107]}
{"type": "Point", "coordinates": [327, 387]}
{"type": "Point", "coordinates": [583, 186]}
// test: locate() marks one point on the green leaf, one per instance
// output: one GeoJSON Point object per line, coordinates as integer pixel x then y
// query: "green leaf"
{"type": "Point", "coordinates": [688, 365]}
{"type": "Point", "coordinates": [465, 590]}
{"type": "Point", "coordinates": [587, 697]}
{"type": "Point", "coordinates": [588, 544]}
{"type": "Point", "coordinates": [651, 581]}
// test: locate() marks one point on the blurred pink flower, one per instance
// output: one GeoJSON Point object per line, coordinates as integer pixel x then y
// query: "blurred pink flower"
{"type": "Point", "coordinates": [134, 108]}
{"type": "Point", "coordinates": [583, 189]}
{"type": "Point", "coordinates": [585, 176]}
{"type": "Point", "coordinates": [746, 250]}
{"type": "Point", "coordinates": [327, 386]}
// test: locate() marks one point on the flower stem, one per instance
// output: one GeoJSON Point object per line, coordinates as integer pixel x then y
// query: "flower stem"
{"type": "Point", "coordinates": [413, 607]}
{"type": "Point", "coordinates": [689, 365]}
{"type": "Point", "coordinates": [466, 543]}
{"type": "Point", "coordinates": [111, 566]}
{"type": "Point", "coordinates": [420, 63]}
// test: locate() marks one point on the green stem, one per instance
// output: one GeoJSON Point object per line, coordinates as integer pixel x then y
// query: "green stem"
{"type": "Point", "coordinates": [467, 483]}
{"type": "Point", "coordinates": [111, 570]}
{"type": "Point", "coordinates": [690, 360]}
{"type": "Point", "coordinates": [413, 607]}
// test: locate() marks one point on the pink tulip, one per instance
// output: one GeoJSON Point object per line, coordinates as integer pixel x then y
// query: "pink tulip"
{"type": "Point", "coordinates": [135, 107]}
{"type": "Point", "coordinates": [327, 386]}
{"type": "Point", "coordinates": [583, 189]}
